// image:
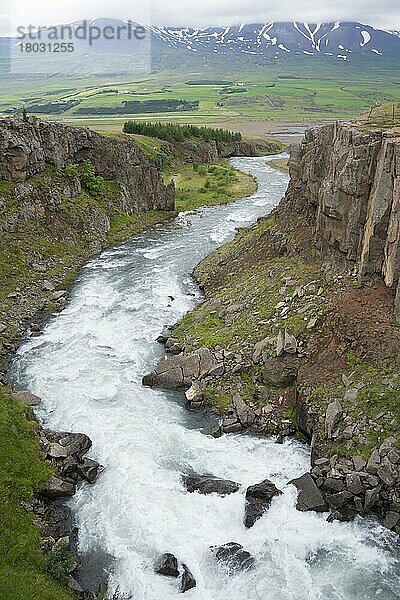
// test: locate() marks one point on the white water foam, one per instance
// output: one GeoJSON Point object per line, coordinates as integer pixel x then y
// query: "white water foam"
{"type": "Point", "coordinates": [87, 366]}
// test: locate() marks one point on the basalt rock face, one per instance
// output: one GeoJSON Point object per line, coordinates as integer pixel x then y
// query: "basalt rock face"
{"type": "Point", "coordinates": [348, 180]}
{"type": "Point", "coordinates": [28, 147]}
{"type": "Point", "coordinates": [209, 151]}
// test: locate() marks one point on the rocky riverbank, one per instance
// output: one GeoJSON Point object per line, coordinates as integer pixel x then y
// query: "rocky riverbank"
{"type": "Point", "coordinates": [65, 194]}
{"type": "Point", "coordinates": [297, 332]}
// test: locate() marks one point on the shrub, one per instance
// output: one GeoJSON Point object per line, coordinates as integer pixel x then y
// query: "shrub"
{"type": "Point", "coordinates": [71, 170]}
{"type": "Point", "coordinates": [91, 183]}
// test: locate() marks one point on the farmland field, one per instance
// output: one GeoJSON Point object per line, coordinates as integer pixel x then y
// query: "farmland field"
{"type": "Point", "coordinates": [284, 93]}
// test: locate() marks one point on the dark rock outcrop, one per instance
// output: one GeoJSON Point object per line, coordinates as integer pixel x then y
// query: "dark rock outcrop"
{"type": "Point", "coordinates": [188, 582]}
{"type": "Point", "coordinates": [258, 500]}
{"type": "Point", "coordinates": [233, 557]}
{"type": "Point", "coordinates": [167, 564]}
{"type": "Point", "coordinates": [208, 484]}
{"type": "Point", "coordinates": [310, 497]}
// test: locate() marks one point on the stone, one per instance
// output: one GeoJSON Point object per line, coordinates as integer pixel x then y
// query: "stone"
{"type": "Point", "coordinates": [167, 564]}
{"type": "Point", "coordinates": [394, 456]}
{"type": "Point", "coordinates": [28, 398]}
{"type": "Point", "coordinates": [58, 295]}
{"type": "Point", "coordinates": [47, 286]}
{"type": "Point", "coordinates": [258, 500]}
{"type": "Point", "coordinates": [232, 427]}
{"type": "Point", "coordinates": [347, 381]}
{"type": "Point", "coordinates": [195, 392]}
{"type": "Point", "coordinates": [373, 481]}
{"type": "Point", "coordinates": [374, 462]}
{"type": "Point", "coordinates": [333, 485]}
{"type": "Point", "coordinates": [371, 498]}
{"type": "Point", "coordinates": [388, 472]}
{"type": "Point", "coordinates": [244, 412]}
{"type": "Point", "coordinates": [351, 395]}
{"type": "Point", "coordinates": [88, 469]}
{"type": "Point", "coordinates": [312, 323]}
{"type": "Point", "coordinates": [340, 499]}
{"type": "Point", "coordinates": [333, 415]}
{"type": "Point", "coordinates": [233, 557]}
{"type": "Point", "coordinates": [259, 349]}
{"type": "Point", "coordinates": [344, 515]}
{"type": "Point", "coordinates": [359, 463]}
{"type": "Point", "coordinates": [280, 345]}
{"type": "Point", "coordinates": [216, 432]}
{"type": "Point", "coordinates": [170, 343]}
{"type": "Point", "coordinates": [2, 327]}
{"type": "Point", "coordinates": [353, 484]}
{"type": "Point", "coordinates": [280, 372]}
{"type": "Point", "coordinates": [391, 519]}
{"type": "Point", "coordinates": [180, 371]}
{"type": "Point", "coordinates": [310, 498]}
{"type": "Point", "coordinates": [321, 462]}
{"type": "Point", "coordinates": [39, 268]}
{"type": "Point", "coordinates": [57, 451]}
{"type": "Point", "coordinates": [290, 343]}
{"type": "Point", "coordinates": [57, 488]}
{"type": "Point", "coordinates": [77, 444]}
{"type": "Point", "coordinates": [188, 582]}
{"type": "Point", "coordinates": [208, 484]}
{"type": "Point", "coordinates": [74, 585]}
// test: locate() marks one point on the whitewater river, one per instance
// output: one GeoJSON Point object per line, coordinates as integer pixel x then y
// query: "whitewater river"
{"type": "Point", "coordinates": [87, 367]}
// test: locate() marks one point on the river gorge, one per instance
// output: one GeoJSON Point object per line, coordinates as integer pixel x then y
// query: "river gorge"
{"type": "Point", "coordinates": [87, 366]}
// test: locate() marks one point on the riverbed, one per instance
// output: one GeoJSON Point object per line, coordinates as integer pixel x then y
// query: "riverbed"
{"type": "Point", "coordinates": [87, 366]}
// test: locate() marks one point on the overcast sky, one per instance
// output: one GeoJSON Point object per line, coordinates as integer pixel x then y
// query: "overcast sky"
{"type": "Point", "coordinates": [379, 13]}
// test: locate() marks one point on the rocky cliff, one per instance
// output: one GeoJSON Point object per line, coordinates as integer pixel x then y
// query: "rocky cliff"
{"type": "Point", "coordinates": [349, 181]}
{"type": "Point", "coordinates": [27, 148]}
{"type": "Point", "coordinates": [65, 194]}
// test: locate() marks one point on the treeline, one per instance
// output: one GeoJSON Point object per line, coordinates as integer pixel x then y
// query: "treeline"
{"type": "Point", "coordinates": [52, 108]}
{"type": "Point", "coordinates": [131, 107]}
{"type": "Point", "coordinates": [171, 132]}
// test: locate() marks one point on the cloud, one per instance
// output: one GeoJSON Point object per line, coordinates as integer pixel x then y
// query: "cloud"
{"type": "Point", "coordinates": [226, 12]}
{"type": "Point", "coordinates": [384, 13]}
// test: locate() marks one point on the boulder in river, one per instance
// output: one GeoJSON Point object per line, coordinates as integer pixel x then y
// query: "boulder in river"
{"type": "Point", "coordinates": [167, 564]}
{"type": "Point", "coordinates": [57, 488]}
{"type": "Point", "coordinates": [208, 484]}
{"type": "Point", "coordinates": [258, 499]}
{"type": "Point", "coordinates": [310, 497]}
{"type": "Point", "coordinates": [233, 557]}
{"type": "Point", "coordinates": [188, 582]}
{"type": "Point", "coordinates": [174, 372]}
{"type": "Point", "coordinates": [75, 444]}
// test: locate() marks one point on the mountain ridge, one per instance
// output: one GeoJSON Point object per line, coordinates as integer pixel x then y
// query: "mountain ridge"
{"type": "Point", "coordinates": [340, 40]}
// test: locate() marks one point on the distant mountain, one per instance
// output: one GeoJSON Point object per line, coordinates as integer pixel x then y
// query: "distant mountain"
{"type": "Point", "coordinates": [341, 40]}
{"type": "Point", "coordinates": [220, 49]}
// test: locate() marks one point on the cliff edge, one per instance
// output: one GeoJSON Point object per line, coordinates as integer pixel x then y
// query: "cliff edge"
{"type": "Point", "coordinates": [348, 181]}
{"type": "Point", "coordinates": [65, 194]}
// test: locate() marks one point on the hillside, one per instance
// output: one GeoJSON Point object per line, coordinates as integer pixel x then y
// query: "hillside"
{"type": "Point", "coordinates": [298, 332]}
